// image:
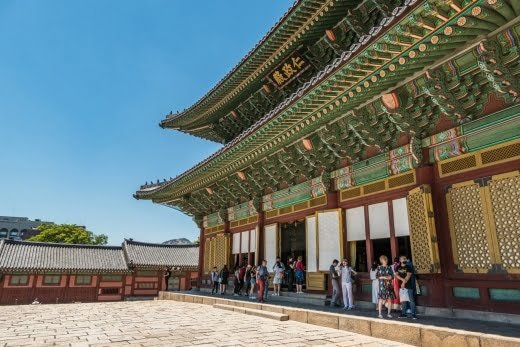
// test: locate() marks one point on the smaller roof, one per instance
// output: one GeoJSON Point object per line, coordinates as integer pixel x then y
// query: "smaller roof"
{"type": "Point", "coordinates": [39, 256]}
{"type": "Point", "coordinates": [161, 255]}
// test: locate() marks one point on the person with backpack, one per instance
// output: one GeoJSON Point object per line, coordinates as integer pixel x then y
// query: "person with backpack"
{"type": "Point", "coordinates": [405, 276]}
{"type": "Point", "coordinates": [261, 277]}
{"type": "Point", "coordinates": [214, 280]}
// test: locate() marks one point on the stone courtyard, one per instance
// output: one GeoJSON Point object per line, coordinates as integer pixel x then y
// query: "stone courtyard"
{"type": "Point", "coordinates": [160, 323]}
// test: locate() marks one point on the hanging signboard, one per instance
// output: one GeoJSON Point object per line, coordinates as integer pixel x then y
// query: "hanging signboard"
{"type": "Point", "coordinates": [288, 70]}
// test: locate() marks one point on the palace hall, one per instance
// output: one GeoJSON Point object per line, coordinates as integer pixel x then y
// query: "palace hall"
{"type": "Point", "coordinates": [356, 129]}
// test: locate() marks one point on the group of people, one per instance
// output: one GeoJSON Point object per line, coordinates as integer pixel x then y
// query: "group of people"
{"type": "Point", "coordinates": [391, 285]}
{"type": "Point", "coordinates": [249, 279]}
{"type": "Point", "coordinates": [394, 285]}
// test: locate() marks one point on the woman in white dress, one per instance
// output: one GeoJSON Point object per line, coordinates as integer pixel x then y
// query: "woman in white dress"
{"type": "Point", "coordinates": [375, 283]}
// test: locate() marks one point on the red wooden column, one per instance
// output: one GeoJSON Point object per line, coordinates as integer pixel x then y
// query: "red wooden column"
{"type": "Point", "coordinates": [260, 238]}
{"type": "Point", "coordinates": [202, 245]}
{"type": "Point", "coordinates": [370, 251]}
{"type": "Point", "coordinates": [393, 240]}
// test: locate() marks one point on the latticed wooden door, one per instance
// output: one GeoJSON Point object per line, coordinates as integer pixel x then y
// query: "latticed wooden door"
{"type": "Point", "coordinates": [423, 237]}
{"type": "Point", "coordinates": [484, 223]}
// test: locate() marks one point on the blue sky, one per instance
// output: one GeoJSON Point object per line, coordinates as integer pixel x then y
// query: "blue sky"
{"type": "Point", "coordinates": [83, 86]}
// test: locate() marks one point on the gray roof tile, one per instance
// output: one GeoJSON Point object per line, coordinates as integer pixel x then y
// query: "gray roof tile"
{"type": "Point", "coordinates": [160, 255]}
{"type": "Point", "coordinates": [37, 256]}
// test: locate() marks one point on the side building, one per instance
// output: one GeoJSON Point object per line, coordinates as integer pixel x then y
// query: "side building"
{"type": "Point", "coordinates": [19, 228]}
{"type": "Point", "coordinates": [365, 128]}
{"type": "Point", "coordinates": [64, 273]}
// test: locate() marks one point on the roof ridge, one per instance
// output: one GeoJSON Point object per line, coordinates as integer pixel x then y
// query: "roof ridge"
{"type": "Point", "coordinates": [53, 244]}
{"type": "Point", "coordinates": [133, 242]}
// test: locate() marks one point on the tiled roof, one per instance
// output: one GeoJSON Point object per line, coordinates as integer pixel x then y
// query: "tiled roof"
{"type": "Point", "coordinates": [35, 256]}
{"type": "Point", "coordinates": [159, 255]}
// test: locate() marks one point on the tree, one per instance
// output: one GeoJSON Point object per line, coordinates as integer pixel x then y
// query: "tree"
{"type": "Point", "coordinates": [68, 233]}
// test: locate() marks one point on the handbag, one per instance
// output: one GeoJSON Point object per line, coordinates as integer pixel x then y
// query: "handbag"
{"type": "Point", "coordinates": [403, 295]}
{"type": "Point", "coordinates": [220, 280]}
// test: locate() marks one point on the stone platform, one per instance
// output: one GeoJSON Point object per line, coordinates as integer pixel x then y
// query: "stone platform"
{"type": "Point", "coordinates": [418, 334]}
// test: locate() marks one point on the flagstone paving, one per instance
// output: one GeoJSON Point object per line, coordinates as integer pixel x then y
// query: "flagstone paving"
{"type": "Point", "coordinates": [160, 323]}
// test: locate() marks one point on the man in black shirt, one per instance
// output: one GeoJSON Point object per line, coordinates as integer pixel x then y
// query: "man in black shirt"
{"type": "Point", "coordinates": [335, 283]}
{"type": "Point", "coordinates": [405, 275]}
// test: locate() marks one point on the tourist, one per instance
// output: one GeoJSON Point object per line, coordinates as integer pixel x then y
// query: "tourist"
{"type": "Point", "coordinates": [385, 275]}
{"type": "Point", "coordinates": [261, 278]}
{"type": "Point", "coordinates": [290, 274]}
{"type": "Point", "coordinates": [167, 274]}
{"type": "Point", "coordinates": [266, 287]}
{"type": "Point", "coordinates": [396, 285]}
{"type": "Point", "coordinates": [375, 283]}
{"type": "Point", "coordinates": [253, 283]}
{"type": "Point", "coordinates": [298, 273]}
{"type": "Point", "coordinates": [224, 274]}
{"type": "Point", "coordinates": [278, 269]}
{"type": "Point", "coordinates": [247, 279]}
{"type": "Point", "coordinates": [241, 277]}
{"type": "Point", "coordinates": [404, 275]}
{"type": "Point", "coordinates": [236, 281]}
{"type": "Point", "coordinates": [335, 278]}
{"type": "Point", "coordinates": [346, 284]}
{"type": "Point", "coordinates": [214, 281]}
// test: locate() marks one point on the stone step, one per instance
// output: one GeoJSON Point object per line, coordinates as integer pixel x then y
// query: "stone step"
{"type": "Point", "coordinates": [308, 299]}
{"type": "Point", "coordinates": [259, 313]}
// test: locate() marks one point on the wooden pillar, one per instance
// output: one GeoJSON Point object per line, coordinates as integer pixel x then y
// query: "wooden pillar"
{"type": "Point", "coordinates": [98, 280]}
{"type": "Point", "coordinates": [260, 238]}
{"type": "Point", "coordinates": [202, 246]}
{"type": "Point", "coordinates": [231, 257]}
{"type": "Point", "coordinates": [393, 240]}
{"type": "Point", "coordinates": [370, 251]}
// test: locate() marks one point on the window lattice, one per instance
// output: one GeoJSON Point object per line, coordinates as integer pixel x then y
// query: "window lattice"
{"type": "Point", "coordinates": [501, 153]}
{"type": "Point", "coordinates": [468, 228]}
{"type": "Point", "coordinates": [458, 165]}
{"type": "Point", "coordinates": [505, 200]}
{"type": "Point", "coordinates": [423, 238]}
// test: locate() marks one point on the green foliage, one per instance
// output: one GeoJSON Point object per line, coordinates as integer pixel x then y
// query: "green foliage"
{"type": "Point", "coordinates": [68, 233]}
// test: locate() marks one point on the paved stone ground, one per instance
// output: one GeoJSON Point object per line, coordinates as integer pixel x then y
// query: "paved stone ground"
{"type": "Point", "coordinates": [160, 323]}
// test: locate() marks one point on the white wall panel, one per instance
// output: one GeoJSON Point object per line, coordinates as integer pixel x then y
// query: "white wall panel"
{"type": "Point", "coordinates": [244, 245]}
{"type": "Point", "coordinates": [379, 221]}
{"type": "Point", "coordinates": [329, 240]}
{"type": "Point", "coordinates": [355, 223]}
{"type": "Point", "coordinates": [312, 258]}
{"type": "Point", "coordinates": [400, 212]}
{"type": "Point", "coordinates": [236, 243]}
{"type": "Point", "coordinates": [252, 244]}
{"type": "Point", "coordinates": [270, 246]}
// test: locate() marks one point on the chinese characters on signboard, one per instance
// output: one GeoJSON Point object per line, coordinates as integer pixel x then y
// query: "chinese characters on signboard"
{"type": "Point", "coordinates": [288, 70]}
